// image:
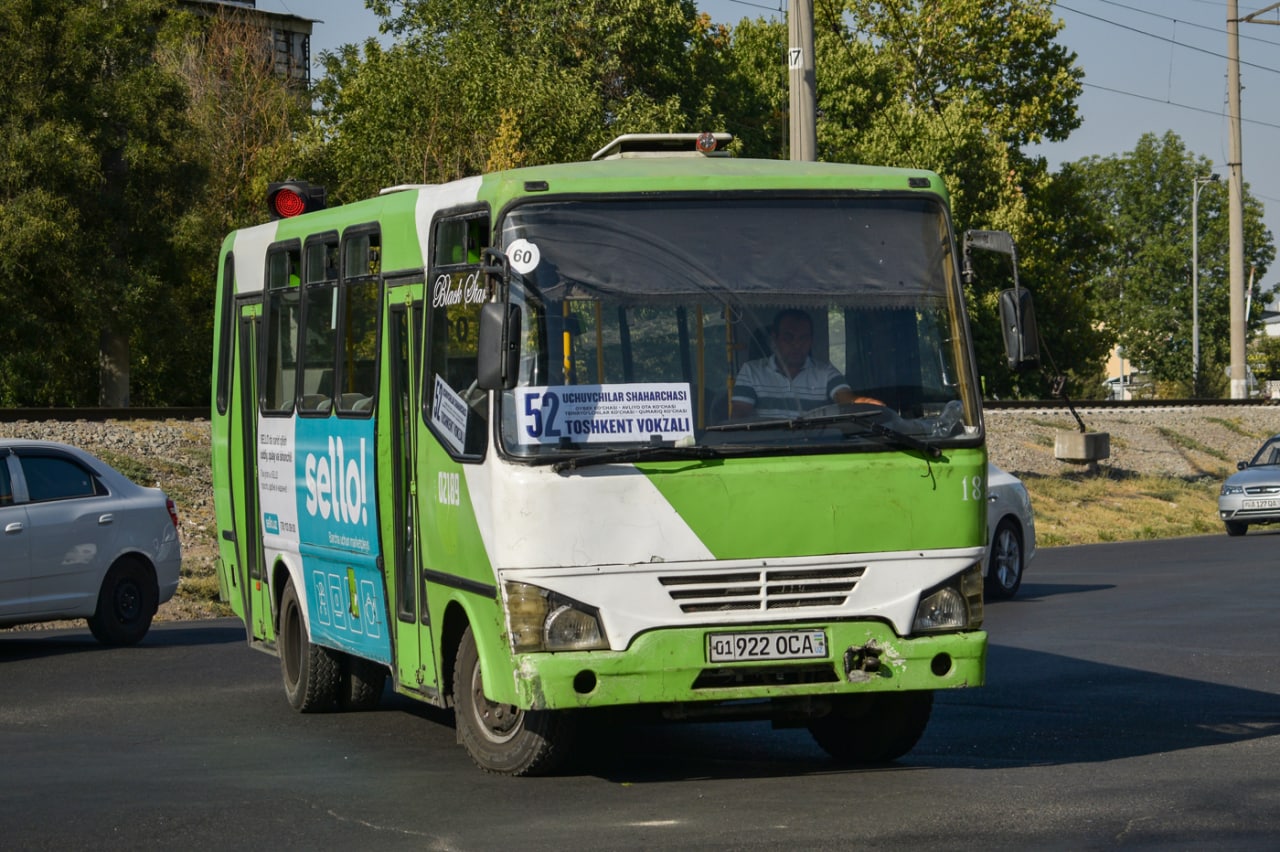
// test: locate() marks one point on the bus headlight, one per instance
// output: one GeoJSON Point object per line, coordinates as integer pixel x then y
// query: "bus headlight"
{"type": "Point", "coordinates": [955, 606]}
{"type": "Point", "coordinates": [539, 620]}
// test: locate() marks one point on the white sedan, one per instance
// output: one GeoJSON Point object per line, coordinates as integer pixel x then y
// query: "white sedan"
{"type": "Point", "coordinates": [80, 540]}
{"type": "Point", "coordinates": [1011, 530]}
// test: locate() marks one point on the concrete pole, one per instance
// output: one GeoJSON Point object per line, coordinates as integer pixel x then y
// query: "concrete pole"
{"type": "Point", "coordinates": [1197, 184]}
{"type": "Point", "coordinates": [800, 67]}
{"type": "Point", "coordinates": [1235, 206]}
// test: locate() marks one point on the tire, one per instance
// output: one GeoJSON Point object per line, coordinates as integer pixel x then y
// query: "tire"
{"type": "Point", "coordinates": [878, 727]}
{"type": "Point", "coordinates": [127, 601]}
{"type": "Point", "coordinates": [1006, 561]}
{"type": "Point", "coordinates": [311, 672]}
{"type": "Point", "coordinates": [1235, 528]}
{"type": "Point", "coordinates": [361, 683]}
{"type": "Point", "coordinates": [501, 738]}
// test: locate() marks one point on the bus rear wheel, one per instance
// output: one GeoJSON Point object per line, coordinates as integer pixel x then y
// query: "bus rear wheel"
{"type": "Point", "coordinates": [874, 728]}
{"type": "Point", "coordinates": [502, 738]}
{"type": "Point", "coordinates": [311, 672]}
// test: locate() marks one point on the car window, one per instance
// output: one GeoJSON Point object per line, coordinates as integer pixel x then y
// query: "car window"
{"type": "Point", "coordinates": [6, 485]}
{"type": "Point", "coordinates": [56, 478]}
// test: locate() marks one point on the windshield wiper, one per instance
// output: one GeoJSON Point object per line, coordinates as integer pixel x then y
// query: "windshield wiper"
{"type": "Point", "coordinates": [631, 454]}
{"type": "Point", "coordinates": [859, 419]}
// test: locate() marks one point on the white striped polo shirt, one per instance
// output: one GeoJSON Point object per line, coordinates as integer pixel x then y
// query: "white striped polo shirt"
{"type": "Point", "coordinates": [763, 384]}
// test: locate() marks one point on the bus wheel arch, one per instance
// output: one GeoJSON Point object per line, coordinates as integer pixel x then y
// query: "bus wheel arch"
{"type": "Point", "coordinates": [311, 673]}
{"type": "Point", "coordinates": [501, 738]}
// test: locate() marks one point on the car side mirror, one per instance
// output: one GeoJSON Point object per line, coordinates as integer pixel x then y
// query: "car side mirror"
{"type": "Point", "coordinates": [1241, 465]}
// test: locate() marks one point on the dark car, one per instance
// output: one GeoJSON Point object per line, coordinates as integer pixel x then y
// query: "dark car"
{"type": "Point", "coordinates": [78, 539]}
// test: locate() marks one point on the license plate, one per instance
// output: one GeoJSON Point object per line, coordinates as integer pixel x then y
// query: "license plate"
{"type": "Point", "coordinates": [766, 645]}
{"type": "Point", "coordinates": [1261, 504]}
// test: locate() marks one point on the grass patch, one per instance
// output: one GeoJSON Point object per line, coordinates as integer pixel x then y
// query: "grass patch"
{"type": "Point", "coordinates": [1186, 442]}
{"type": "Point", "coordinates": [1235, 426]}
{"type": "Point", "coordinates": [1078, 508]}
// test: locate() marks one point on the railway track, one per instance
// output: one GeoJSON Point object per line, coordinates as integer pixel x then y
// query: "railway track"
{"type": "Point", "coordinates": [98, 415]}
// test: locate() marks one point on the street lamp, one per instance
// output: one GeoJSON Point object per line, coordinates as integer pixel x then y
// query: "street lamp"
{"type": "Point", "coordinates": [1197, 184]}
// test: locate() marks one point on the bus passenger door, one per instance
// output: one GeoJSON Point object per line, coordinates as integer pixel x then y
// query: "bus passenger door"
{"type": "Point", "coordinates": [415, 658]}
{"type": "Point", "coordinates": [253, 587]}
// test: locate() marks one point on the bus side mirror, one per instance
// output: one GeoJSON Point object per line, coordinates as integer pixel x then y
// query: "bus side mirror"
{"type": "Point", "coordinates": [1018, 327]}
{"type": "Point", "coordinates": [498, 361]}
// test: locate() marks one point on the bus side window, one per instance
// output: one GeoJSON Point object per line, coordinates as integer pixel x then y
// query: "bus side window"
{"type": "Point", "coordinates": [282, 322]}
{"type": "Point", "coordinates": [452, 404]}
{"type": "Point", "coordinates": [362, 261]}
{"type": "Point", "coordinates": [319, 317]}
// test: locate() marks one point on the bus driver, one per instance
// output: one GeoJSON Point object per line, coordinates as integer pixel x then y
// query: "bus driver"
{"type": "Point", "coordinates": [790, 382]}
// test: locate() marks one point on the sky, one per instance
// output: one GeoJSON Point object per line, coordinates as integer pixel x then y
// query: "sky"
{"type": "Point", "coordinates": [1150, 66]}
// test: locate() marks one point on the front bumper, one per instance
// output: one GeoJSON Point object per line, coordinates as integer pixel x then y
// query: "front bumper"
{"type": "Point", "coordinates": [670, 665]}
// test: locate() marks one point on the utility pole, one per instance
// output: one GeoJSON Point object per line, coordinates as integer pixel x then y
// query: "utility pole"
{"type": "Point", "coordinates": [1235, 196]}
{"type": "Point", "coordinates": [1235, 206]}
{"type": "Point", "coordinates": [803, 120]}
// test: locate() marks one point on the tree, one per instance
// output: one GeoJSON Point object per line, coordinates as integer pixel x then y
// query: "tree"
{"type": "Point", "coordinates": [1144, 278]}
{"type": "Point", "coordinates": [90, 186]}
{"type": "Point", "coordinates": [471, 85]}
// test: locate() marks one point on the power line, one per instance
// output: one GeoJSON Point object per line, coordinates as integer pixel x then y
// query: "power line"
{"type": "Point", "coordinates": [1165, 39]}
{"type": "Point", "coordinates": [777, 9]}
{"type": "Point", "coordinates": [1192, 24]}
{"type": "Point", "coordinates": [1183, 106]}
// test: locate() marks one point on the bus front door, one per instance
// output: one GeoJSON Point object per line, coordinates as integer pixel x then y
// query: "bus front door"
{"type": "Point", "coordinates": [415, 656]}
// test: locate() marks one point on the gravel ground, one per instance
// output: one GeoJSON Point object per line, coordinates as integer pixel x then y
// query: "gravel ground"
{"type": "Point", "coordinates": [1187, 443]}
{"type": "Point", "coordinates": [1183, 442]}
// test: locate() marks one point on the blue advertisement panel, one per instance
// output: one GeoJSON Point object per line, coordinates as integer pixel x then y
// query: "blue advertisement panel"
{"type": "Point", "coordinates": [338, 531]}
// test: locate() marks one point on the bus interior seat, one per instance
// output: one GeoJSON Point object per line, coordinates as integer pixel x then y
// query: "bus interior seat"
{"type": "Point", "coordinates": [365, 404]}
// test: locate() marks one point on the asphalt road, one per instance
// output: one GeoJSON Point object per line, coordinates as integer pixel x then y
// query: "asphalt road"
{"type": "Point", "coordinates": [1133, 700]}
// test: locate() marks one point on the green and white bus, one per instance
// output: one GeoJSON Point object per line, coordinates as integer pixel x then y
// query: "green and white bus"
{"type": "Point", "coordinates": [500, 440]}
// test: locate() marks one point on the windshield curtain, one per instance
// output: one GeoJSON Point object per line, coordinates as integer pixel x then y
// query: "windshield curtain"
{"type": "Point", "coordinates": [659, 321]}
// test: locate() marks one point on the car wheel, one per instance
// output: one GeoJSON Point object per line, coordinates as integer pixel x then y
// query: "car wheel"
{"type": "Point", "coordinates": [1235, 528]}
{"type": "Point", "coordinates": [310, 671]}
{"type": "Point", "coordinates": [502, 738]}
{"type": "Point", "coordinates": [877, 727]}
{"type": "Point", "coordinates": [127, 602]}
{"type": "Point", "coordinates": [361, 683]}
{"type": "Point", "coordinates": [1005, 562]}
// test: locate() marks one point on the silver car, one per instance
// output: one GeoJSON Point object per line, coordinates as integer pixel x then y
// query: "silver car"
{"type": "Point", "coordinates": [1011, 529]}
{"type": "Point", "coordinates": [1252, 496]}
{"type": "Point", "coordinates": [80, 540]}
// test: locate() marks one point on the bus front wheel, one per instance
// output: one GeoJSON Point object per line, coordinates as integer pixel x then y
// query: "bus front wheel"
{"type": "Point", "coordinates": [873, 728]}
{"type": "Point", "coordinates": [311, 672]}
{"type": "Point", "coordinates": [502, 738]}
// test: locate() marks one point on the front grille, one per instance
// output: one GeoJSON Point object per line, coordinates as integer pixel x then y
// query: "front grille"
{"type": "Point", "coordinates": [1263, 489]}
{"type": "Point", "coordinates": [762, 590]}
{"type": "Point", "coordinates": [779, 675]}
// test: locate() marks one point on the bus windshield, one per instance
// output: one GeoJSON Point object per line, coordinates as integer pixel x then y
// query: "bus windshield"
{"type": "Point", "coordinates": [744, 323]}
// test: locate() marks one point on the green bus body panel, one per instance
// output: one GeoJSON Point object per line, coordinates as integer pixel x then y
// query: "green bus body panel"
{"type": "Point", "coordinates": [394, 213]}
{"type": "Point", "coordinates": [699, 174]}
{"type": "Point", "coordinates": [661, 667]}
{"type": "Point", "coordinates": [811, 505]}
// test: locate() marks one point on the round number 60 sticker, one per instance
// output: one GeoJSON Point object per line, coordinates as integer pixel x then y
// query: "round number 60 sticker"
{"type": "Point", "coordinates": [524, 256]}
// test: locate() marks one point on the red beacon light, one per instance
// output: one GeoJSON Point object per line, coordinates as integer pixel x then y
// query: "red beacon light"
{"type": "Point", "coordinates": [293, 198]}
{"type": "Point", "coordinates": [707, 143]}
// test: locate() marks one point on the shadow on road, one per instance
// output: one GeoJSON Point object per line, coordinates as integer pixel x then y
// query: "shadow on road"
{"type": "Point", "coordinates": [1037, 709]}
{"type": "Point", "coordinates": [37, 643]}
